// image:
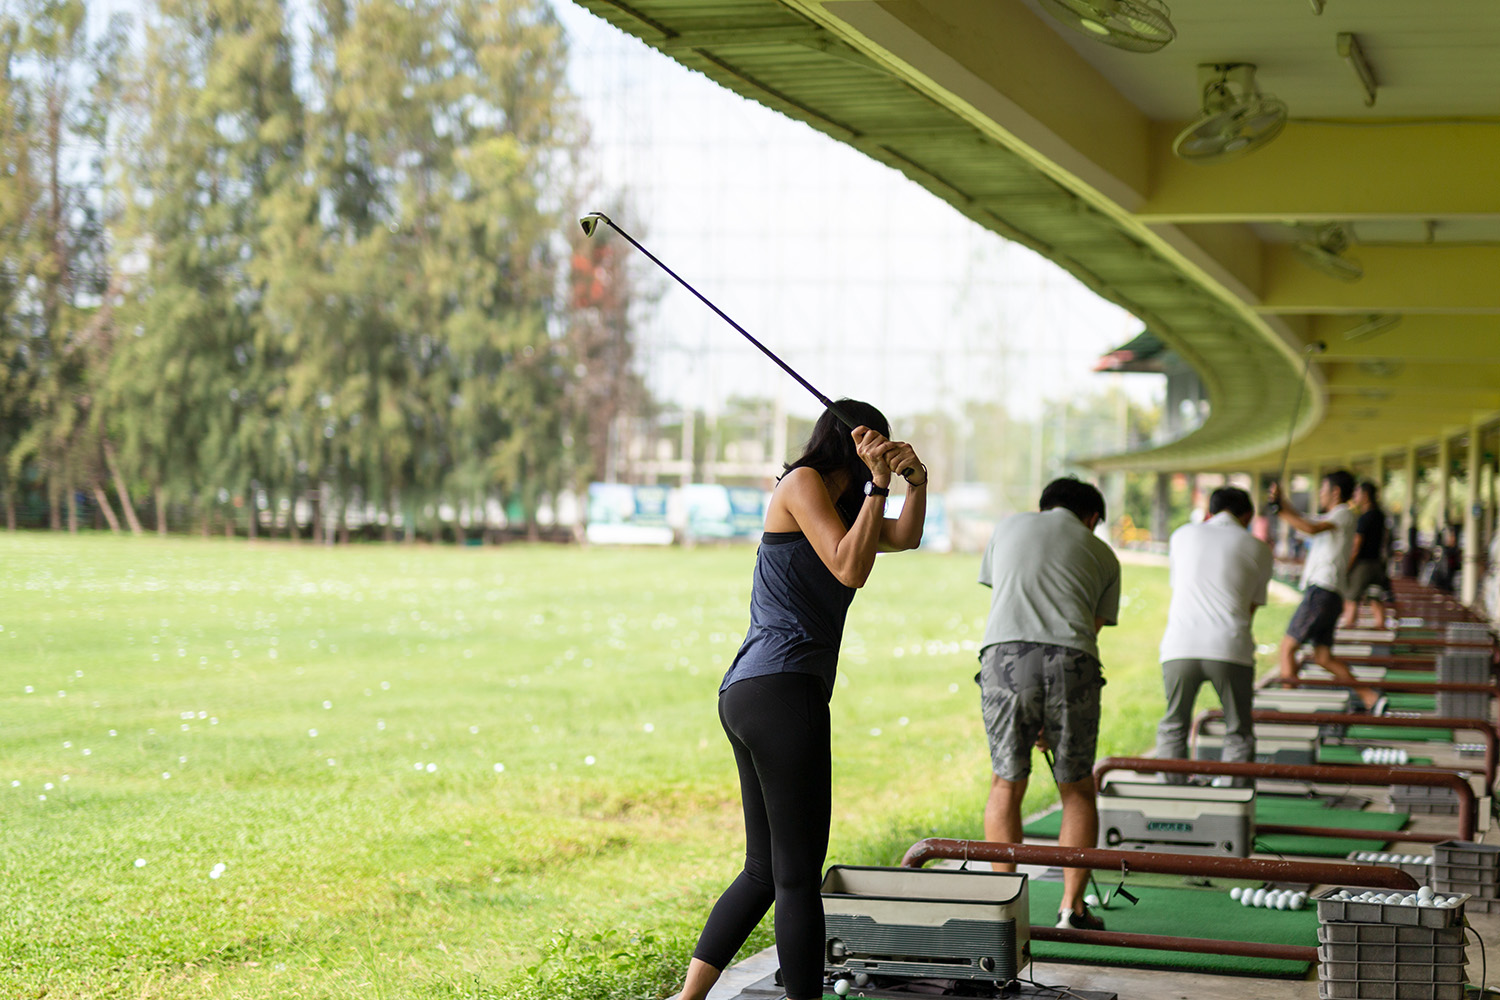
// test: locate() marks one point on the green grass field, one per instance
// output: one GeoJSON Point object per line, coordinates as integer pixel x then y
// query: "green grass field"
{"type": "Point", "coordinates": [275, 771]}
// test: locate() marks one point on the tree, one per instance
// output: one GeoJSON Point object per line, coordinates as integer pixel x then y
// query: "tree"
{"type": "Point", "coordinates": [18, 194]}
{"type": "Point", "coordinates": [420, 313]}
{"type": "Point", "coordinates": [598, 346]}
{"type": "Point", "coordinates": [61, 86]}
{"type": "Point", "coordinates": [216, 131]}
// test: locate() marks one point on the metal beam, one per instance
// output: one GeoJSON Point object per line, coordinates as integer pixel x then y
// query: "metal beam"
{"type": "Point", "coordinates": [1427, 337]}
{"type": "Point", "coordinates": [1317, 171]}
{"type": "Point", "coordinates": [1430, 278]}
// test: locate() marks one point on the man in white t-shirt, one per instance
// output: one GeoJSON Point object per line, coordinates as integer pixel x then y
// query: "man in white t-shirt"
{"type": "Point", "coordinates": [1219, 576]}
{"type": "Point", "coordinates": [1325, 576]}
{"type": "Point", "coordinates": [1055, 584]}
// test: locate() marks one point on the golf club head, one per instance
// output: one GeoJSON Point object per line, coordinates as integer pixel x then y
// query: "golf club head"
{"type": "Point", "coordinates": [591, 222]}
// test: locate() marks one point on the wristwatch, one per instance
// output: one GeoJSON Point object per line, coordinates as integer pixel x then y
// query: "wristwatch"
{"type": "Point", "coordinates": [871, 490]}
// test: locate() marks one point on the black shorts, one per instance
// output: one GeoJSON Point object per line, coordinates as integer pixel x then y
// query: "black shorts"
{"type": "Point", "coordinates": [1368, 578]}
{"type": "Point", "coordinates": [1316, 617]}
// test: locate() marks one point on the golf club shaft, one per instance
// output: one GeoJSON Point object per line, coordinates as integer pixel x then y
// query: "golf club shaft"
{"type": "Point", "coordinates": [840, 414]}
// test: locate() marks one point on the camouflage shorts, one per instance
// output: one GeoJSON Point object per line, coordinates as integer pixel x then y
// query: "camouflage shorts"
{"type": "Point", "coordinates": [1028, 689]}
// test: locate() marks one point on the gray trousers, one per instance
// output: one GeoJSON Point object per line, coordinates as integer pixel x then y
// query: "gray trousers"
{"type": "Point", "coordinates": [1235, 683]}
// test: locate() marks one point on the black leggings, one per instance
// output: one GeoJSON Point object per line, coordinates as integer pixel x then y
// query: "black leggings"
{"type": "Point", "coordinates": [778, 726]}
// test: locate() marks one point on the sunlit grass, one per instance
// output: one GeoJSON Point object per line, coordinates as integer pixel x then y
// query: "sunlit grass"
{"type": "Point", "coordinates": [257, 771]}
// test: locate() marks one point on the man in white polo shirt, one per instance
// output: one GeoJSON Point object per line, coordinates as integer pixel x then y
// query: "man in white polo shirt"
{"type": "Point", "coordinates": [1056, 584]}
{"type": "Point", "coordinates": [1325, 575]}
{"type": "Point", "coordinates": [1219, 576]}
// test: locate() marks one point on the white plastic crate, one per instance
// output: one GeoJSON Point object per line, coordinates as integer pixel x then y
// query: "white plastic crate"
{"type": "Point", "coordinates": [1380, 967]}
{"type": "Point", "coordinates": [1359, 989]}
{"type": "Point", "coordinates": [1390, 935]}
{"type": "Point", "coordinates": [1332, 910]}
{"type": "Point", "coordinates": [1468, 853]}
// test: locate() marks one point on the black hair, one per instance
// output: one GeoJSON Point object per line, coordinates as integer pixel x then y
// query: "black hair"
{"type": "Point", "coordinates": [1071, 494]}
{"type": "Point", "coordinates": [1343, 481]}
{"type": "Point", "coordinates": [1372, 491]}
{"type": "Point", "coordinates": [830, 448]}
{"type": "Point", "coordinates": [1232, 499]}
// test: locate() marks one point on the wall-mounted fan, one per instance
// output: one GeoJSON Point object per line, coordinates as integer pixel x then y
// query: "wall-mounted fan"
{"type": "Point", "coordinates": [1237, 118]}
{"type": "Point", "coordinates": [1133, 25]}
{"type": "Point", "coordinates": [1324, 250]}
{"type": "Point", "coordinates": [1373, 326]}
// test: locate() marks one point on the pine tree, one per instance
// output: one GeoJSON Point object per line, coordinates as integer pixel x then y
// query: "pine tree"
{"type": "Point", "coordinates": [217, 131]}
{"type": "Point", "coordinates": [61, 87]}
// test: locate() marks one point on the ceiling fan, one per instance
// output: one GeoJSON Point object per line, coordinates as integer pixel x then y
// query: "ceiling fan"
{"type": "Point", "coordinates": [1324, 250]}
{"type": "Point", "coordinates": [1236, 118]}
{"type": "Point", "coordinates": [1133, 25]}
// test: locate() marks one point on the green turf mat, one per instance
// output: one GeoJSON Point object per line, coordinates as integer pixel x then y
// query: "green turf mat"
{"type": "Point", "coordinates": [1200, 913]}
{"type": "Point", "coordinates": [1284, 810]}
{"type": "Point", "coordinates": [1350, 755]}
{"type": "Point", "coordinates": [1405, 702]}
{"type": "Point", "coordinates": [1398, 734]}
{"type": "Point", "coordinates": [1411, 676]}
{"type": "Point", "coordinates": [1295, 811]}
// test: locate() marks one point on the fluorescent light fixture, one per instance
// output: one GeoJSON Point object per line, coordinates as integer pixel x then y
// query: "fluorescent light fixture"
{"type": "Point", "coordinates": [1373, 326]}
{"type": "Point", "coordinates": [1350, 51]}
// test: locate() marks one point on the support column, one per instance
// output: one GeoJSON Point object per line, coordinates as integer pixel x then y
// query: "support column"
{"type": "Point", "coordinates": [1445, 480]}
{"type": "Point", "coordinates": [1473, 547]}
{"type": "Point", "coordinates": [1409, 514]}
{"type": "Point", "coordinates": [1161, 502]}
{"type": "Point", "coordinates": [1114, 502]}
{"type": "Point", "coordinates": [1493, 505]}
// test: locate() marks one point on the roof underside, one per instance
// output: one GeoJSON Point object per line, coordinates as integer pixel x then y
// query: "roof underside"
{"type": "Point", "coordinates": [1062, 144]}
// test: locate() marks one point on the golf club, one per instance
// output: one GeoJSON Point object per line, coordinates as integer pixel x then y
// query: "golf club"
{"type": "Point", "coordinates": [590, 223]}
{"type": "Point", "coordinates": [1316, 347]}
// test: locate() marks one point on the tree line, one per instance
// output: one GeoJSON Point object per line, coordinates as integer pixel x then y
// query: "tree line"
{"type": "Point", "coordinates": [259, 252]}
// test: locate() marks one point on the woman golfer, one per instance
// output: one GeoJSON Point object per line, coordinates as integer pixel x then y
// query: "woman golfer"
{"type": "Point", "coordinates": [825, 522]}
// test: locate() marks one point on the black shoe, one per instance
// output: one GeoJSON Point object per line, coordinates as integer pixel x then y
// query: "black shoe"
{"type": "Point", "coordinates": [1084, 921]}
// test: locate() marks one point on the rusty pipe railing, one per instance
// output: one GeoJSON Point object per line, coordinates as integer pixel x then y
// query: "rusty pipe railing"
{"type": "Point", "coordinates": [1397, 661]}
{"type": "Point", "coordinates": [1156, 863]}
{"type": "Point", "coordinates": [1422, 642]}
{"type": "Point", "coordinates": [1267, 869]}
{"type": "Point", "coordinates": [1406, 687]}
{"type": "Point", "coordinates": [1342, 774]}
{"type": "Point", "coordinates": [1484, 727]}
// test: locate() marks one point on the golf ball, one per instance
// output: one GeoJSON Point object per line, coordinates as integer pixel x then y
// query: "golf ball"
{"type": "Point", "coordinates": [1234, 893]}
{"type": "Point", "coordinates": [841, 987]}
{"type": "Point", "coordinates": [1259, 898]}
{"type": "Point", "coordinates": [1091, 900]}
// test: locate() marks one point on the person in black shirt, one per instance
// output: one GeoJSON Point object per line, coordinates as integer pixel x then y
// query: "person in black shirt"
{"type": "Point", "coordinates": [824, 524]}
{"type": "Point", "coordinates": [1368, 576]}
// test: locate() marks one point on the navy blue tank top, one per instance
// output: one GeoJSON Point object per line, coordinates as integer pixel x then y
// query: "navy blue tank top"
{"type": "Point", "coordinates": [797, 611]}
